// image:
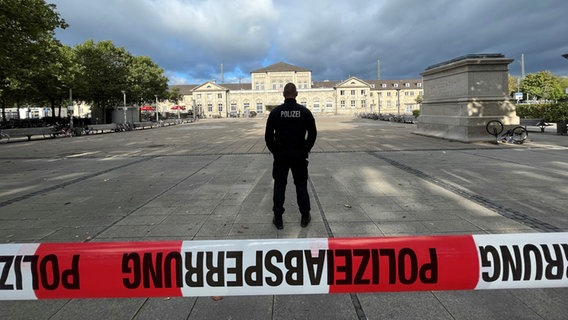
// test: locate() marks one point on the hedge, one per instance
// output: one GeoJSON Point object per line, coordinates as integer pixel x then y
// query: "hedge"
{"type": "Point", "coordinates": [551, 112]}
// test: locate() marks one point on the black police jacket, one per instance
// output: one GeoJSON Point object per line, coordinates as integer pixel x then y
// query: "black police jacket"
{"type": "Point", "coordinates": [290, 130]}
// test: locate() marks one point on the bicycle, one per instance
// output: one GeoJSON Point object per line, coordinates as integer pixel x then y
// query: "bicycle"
{"type": "Point", "coordinates": [4, 137]}
{"type": "Point", "coordinates": [517, 134]}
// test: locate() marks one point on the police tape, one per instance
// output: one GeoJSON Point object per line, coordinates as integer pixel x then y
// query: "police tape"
{"type": "Point", "coordinates": [282, 266]}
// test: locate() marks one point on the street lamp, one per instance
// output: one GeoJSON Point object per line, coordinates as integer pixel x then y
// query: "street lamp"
{"type": "Point", "coordinates": [157, 119]}
{"type": "Point", "coordinates": [70, 108]}
{"type": "Point", "coordinates": [124, 108]}
{"type": "Point", "coordinates": [398, 101]}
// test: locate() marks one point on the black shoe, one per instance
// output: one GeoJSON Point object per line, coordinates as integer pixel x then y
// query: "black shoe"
{"type": "Point", "coordinates": [305, 220]}
{"type": "Point", "coordinates": [277, 221]}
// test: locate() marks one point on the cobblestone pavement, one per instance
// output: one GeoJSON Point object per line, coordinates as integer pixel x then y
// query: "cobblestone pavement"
{"type": "Point", "coordinates": [212, 180]}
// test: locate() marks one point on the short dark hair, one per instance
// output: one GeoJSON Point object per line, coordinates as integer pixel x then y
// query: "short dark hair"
{"type": "Point", "coordinates": [290, 90]}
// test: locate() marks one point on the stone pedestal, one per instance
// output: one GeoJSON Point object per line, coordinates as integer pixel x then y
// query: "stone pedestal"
{"type": "Point", "coordinates": [463, 94]}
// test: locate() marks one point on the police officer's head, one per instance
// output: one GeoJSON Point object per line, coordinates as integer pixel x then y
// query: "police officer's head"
{"type": "Point", "coordinates": [290, 91]}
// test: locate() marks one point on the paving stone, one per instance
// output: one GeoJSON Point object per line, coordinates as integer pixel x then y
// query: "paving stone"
{"type": "Point", "coordinates": [199, 189]}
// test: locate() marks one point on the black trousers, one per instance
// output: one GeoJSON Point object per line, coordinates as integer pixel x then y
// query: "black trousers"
{"type": "Point", "coordinates": [299, 167]}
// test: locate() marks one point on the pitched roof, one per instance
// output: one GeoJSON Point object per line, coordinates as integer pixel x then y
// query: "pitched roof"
{"type": "Point", "coordinates": [184, 88]}
{"type": "Point", "coordinates": [325, 84]}
{"type": "Point", "coordinates": [351, 80]}
{"type": "Point", "coordinates": [237, 86]}
{"type": "Point", "coordinates": [280, 67]}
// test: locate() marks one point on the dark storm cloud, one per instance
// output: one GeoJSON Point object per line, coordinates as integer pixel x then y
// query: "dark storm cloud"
{"type": "Point", "coordinates": [334, 39]}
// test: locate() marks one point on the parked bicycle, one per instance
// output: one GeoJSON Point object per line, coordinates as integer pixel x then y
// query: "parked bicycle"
{"type": "Point", "coordinates": [126, 126]}
{"type": "Point", "coordinates": [517, 134]}
{"type": "Point", "coordinates": [4, 137]}
{"type": "Point", "coordinates": [64, 130]}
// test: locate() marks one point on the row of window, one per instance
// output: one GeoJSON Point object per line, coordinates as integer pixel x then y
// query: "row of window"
{"type": "Point", "coordinates": [341, 93]}
{"type": "Point", "coordinates": [364, 93]}
{"type": "Point", "coordinates": [233, 107]}
{"type": "Point", "coordinates": [304, 85]}
{"type": "Point", "coordinates": [279, 85]}
{"type": "Point", "coordinates": [209, 96]}
{"type": "Point", "coordinates": [395, 85]}
{"type": "Point", "coordinates": [315, 107]}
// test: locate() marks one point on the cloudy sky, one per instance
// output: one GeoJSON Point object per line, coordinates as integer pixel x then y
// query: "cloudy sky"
{"type": "Point", "coordinates": [191, 39]}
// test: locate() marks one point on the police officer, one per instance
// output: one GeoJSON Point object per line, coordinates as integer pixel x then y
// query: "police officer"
{"type": "Point", "coordinates": [290, 135]}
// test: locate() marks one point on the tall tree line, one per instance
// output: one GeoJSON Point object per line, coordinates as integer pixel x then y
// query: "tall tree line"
{"type": "Point", "coordinates": [36, 69]}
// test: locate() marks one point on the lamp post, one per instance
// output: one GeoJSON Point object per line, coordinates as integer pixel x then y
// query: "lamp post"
{"type": "Point", "coordinates": [124, 108]}
{"type": "Point", "coordinates": [70, 108]}
{"type": "Point", "coordinates": [398, 102]}
{"type": "Point", "coordinates": [157, 116]}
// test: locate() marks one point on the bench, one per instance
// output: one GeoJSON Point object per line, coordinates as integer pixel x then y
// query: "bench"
{"type": "Point", "coordinates": [29, 132]}
{"type": "Point", "coordinates": [101, 128]}
{"type": "Point", "coordinates": [534, 123]}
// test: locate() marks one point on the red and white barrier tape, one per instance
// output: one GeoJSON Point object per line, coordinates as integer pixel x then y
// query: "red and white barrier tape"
{"type": "Point", "coordinates": [283, 266]}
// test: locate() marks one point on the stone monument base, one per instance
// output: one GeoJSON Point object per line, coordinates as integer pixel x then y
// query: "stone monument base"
{"type": "Point", "coordinates": [462, 95]}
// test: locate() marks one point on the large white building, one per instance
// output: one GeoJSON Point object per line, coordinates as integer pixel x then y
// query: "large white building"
{"type": "Point", "coordinates": [347, 97]}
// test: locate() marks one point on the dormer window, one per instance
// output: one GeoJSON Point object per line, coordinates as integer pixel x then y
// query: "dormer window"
{"type": "Point", "coordinates": [395, 85]}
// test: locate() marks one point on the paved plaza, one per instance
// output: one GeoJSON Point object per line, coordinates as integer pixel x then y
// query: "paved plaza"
{"type": "Point", "coordinates": [212, 180]}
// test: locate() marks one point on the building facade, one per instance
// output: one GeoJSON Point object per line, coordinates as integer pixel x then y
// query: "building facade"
{"type": "Point", "coordinates": [347, 97]}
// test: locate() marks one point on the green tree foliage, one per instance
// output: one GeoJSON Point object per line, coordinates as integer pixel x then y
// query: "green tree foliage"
{"type": "Point", "coordinates": [543, 85]}
{"type": "Point", "coordinates": [174, 95]}
{"type": "Point", "coordinates": [419, 99]}
{"type": "Point", "coordinates": [27, 29]}
{"type": "Point", "coordinates": [36, 69]}
{"type": "Point", "coordinates": [103, 74]}
{"type": "Point", "coordinates": [105, 71]}
{"type": "Point", "coordinates": [513, 85]}
{"type": "Point", "coordinates": [53, 77]}
{"type": "Point", "coordinates": [146, 80]}
{"type": "Point", "coordinates": [564, 84]}
{"type": "Point", "coordinates": [26, 26]}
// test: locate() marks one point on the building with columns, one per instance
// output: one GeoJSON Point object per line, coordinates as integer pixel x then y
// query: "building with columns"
{"type": "Point", "coordinates": [347, 97]}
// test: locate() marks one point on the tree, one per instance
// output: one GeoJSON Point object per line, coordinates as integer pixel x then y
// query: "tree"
{"type": "Point", "coordinates": [419, 99]}
{"type": "Point", "coordinates": [174, 95]}
{"type": "Point", "coordinates": [513, 85]}
{"type": "Point", "coordinates": [35, 68]}
{"type": "Point", "coordinates": [146, 80]}
{"type": "Point", "coordinates": [564, 85]}
{"type": "Point", "coordinates": [103, 75]}
{"type": "Point", "coordinates": [105, 71]}
{"type": "Point", "coordinates": [53, 76]}
{"type": "Point", "coordinates": [542, 85]}
{"type": "Point", "coordinates": [27, 28]}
